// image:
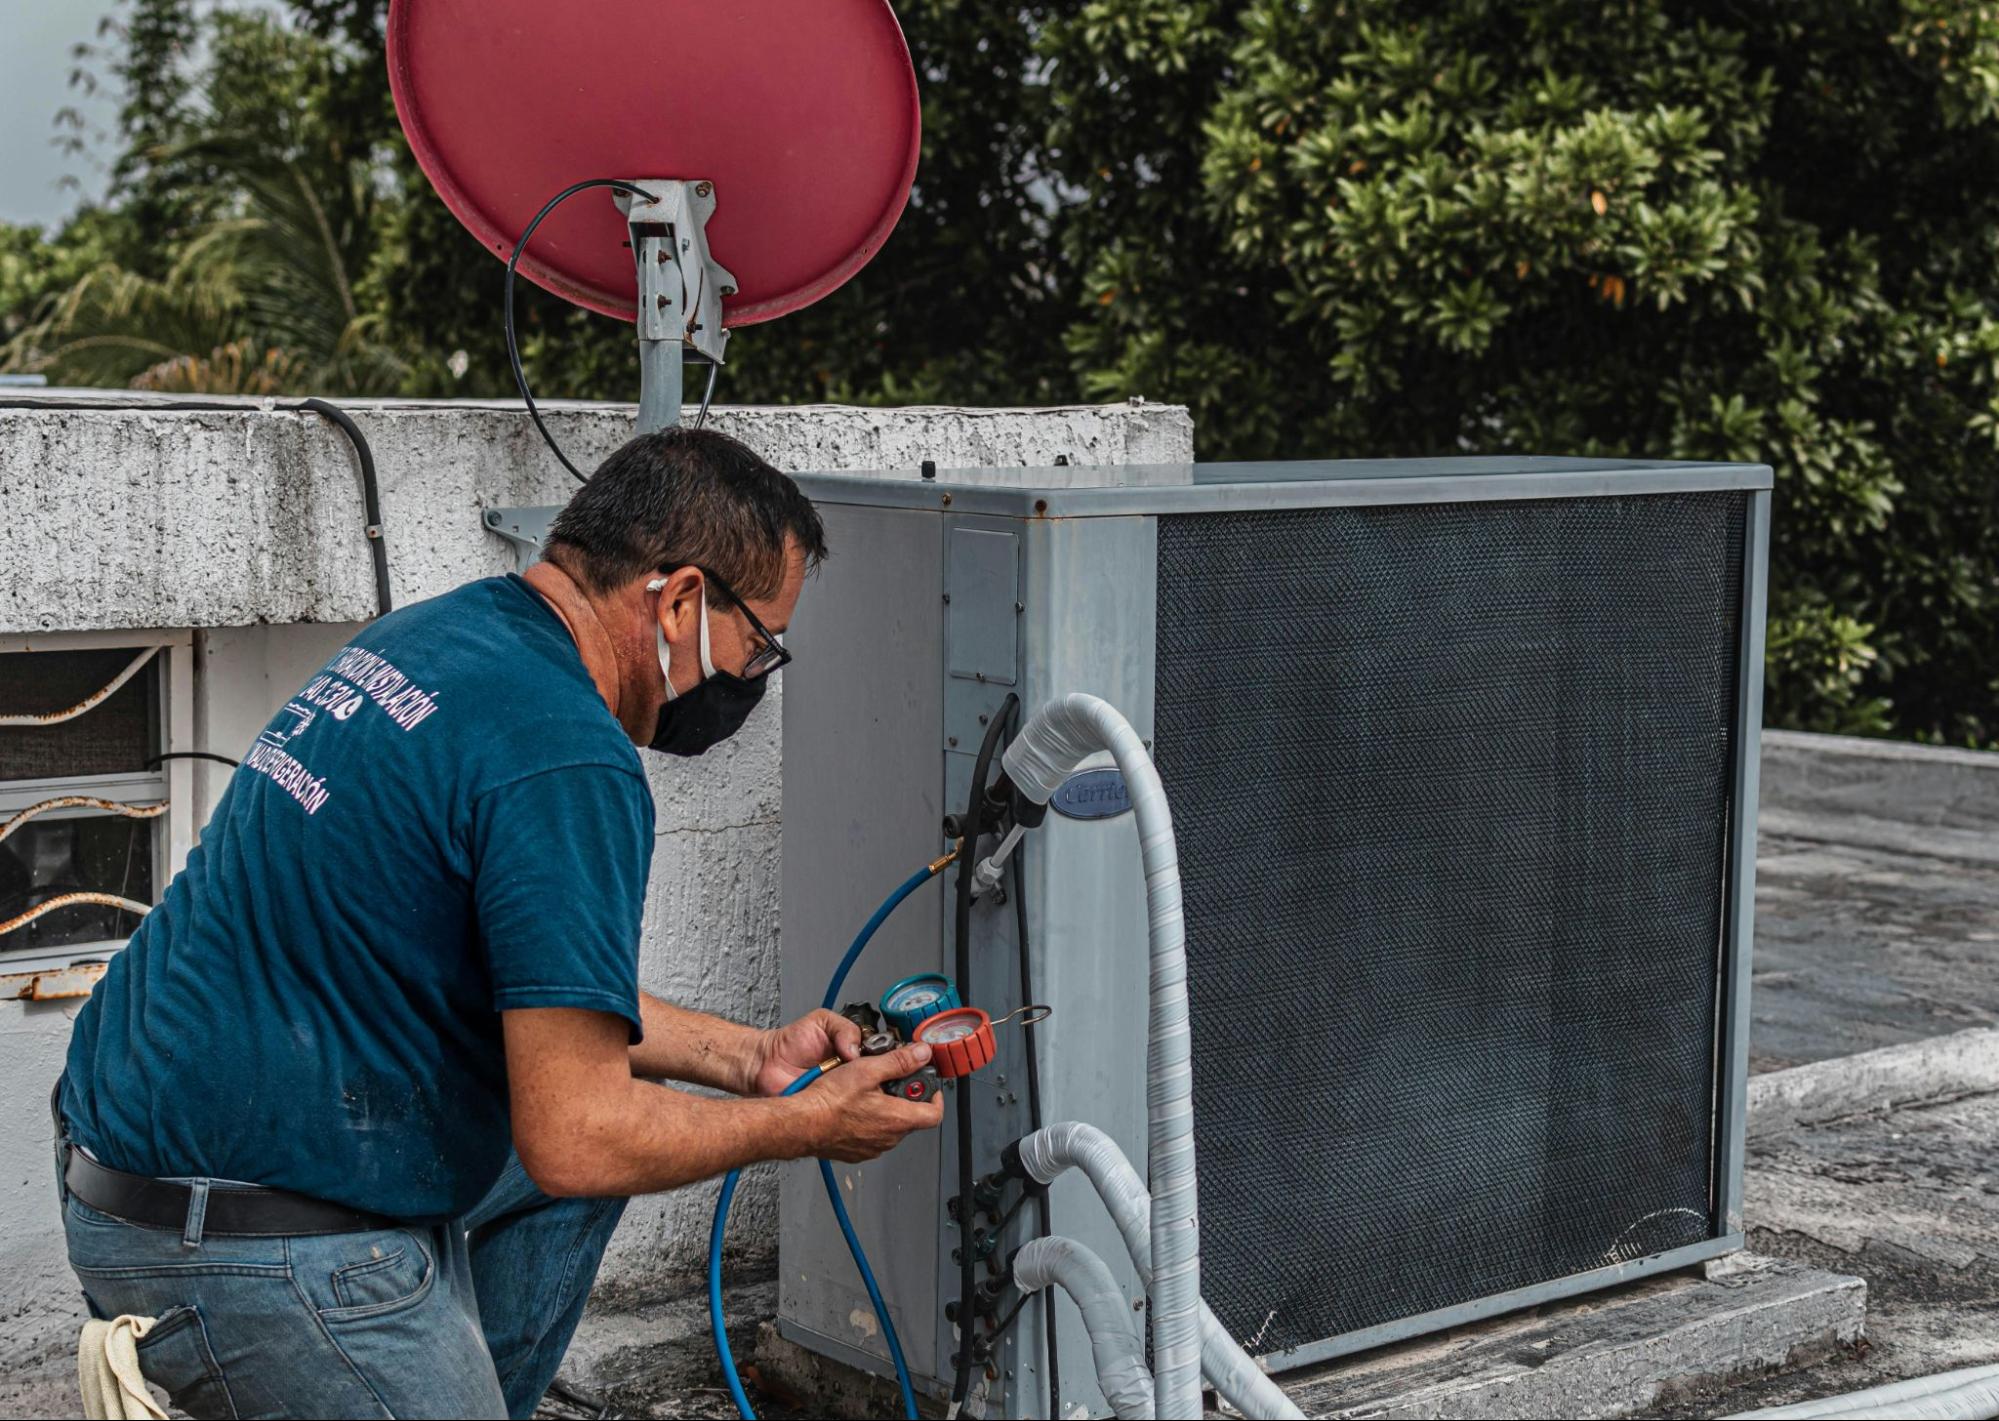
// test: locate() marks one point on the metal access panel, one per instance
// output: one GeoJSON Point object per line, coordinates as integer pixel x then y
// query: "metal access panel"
{"type": "Point", "coordinates": [1461, 756]}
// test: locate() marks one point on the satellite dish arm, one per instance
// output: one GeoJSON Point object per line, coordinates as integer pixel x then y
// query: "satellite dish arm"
{"type": "Point", "coordinates": [680, 288]}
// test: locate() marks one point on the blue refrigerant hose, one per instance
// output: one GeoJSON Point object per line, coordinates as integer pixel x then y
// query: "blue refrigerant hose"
{"type": "Point", "coordinates": [728, 1195]}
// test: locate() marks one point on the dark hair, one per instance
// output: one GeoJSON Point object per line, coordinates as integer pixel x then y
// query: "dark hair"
{"type": "Point", "coordinates": [686, 497]}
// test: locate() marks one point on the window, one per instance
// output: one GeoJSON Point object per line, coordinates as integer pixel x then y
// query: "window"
{"type": "Point", "coordinates": [93, 822]}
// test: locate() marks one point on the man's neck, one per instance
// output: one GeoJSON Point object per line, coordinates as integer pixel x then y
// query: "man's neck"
{"type": "Point", "coordinates": [586, 628]}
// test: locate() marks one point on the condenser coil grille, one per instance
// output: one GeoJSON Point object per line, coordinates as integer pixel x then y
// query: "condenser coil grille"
{"type": "Point", "coordinates": [1450, 784]}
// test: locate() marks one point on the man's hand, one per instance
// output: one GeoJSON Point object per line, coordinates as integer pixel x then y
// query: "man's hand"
{"type": "Point", "coordinates": [784, 1053]}
{"type": "Point", "coordinates": [585, 1126]}
{"type": "Point", "coordinates": [855, 1119]}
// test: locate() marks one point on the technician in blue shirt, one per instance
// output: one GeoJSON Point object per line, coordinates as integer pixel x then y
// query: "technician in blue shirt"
{"type": "Point", "coordinates": [355, 1113]}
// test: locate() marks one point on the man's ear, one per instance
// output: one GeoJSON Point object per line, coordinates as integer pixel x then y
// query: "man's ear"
{"type": "Point", "coordinates": [679, 600]}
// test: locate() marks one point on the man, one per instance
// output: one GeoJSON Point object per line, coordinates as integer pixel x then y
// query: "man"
{"type": "Point", "coordinates": [355, 1113]}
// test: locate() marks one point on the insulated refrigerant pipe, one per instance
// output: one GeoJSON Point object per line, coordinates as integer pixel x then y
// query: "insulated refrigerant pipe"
{"type": "Point", "coordinates": [1055, 1261]}
{"type": "Point", "coordinates": [1049, 747]}
{"type": "Point", "coordinates": [1970, 1394]}
{"type": "Point", "coordinates": [1046, 1155]}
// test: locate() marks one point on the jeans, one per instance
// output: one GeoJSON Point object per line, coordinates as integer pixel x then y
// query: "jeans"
{"type": "Point", "coordinates": [467, 1319]}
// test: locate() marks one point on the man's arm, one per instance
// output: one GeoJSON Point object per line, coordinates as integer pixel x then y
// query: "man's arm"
{"type": "Point", "coordinates": [585, 1125]}
{"type": "Point", "coordinates": [692, 1046]}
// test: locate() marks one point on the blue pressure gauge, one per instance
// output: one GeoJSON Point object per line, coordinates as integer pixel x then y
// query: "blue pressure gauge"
{"type": "Point", "coordinates": [916, 999]}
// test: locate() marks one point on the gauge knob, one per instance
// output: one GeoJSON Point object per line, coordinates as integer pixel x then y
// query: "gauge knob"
{"type": "Point", "coordinates": [916, 999]}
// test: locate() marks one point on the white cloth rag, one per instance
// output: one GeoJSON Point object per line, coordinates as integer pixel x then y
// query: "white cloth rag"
{"type": "Point", "coordinates": [107, 1368]}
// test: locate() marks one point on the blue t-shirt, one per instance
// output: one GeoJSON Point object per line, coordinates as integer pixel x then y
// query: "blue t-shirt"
{"type": "Point", "coordinates": [444, 823]}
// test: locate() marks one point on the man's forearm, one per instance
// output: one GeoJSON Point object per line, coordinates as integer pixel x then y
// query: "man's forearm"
{"type": "Point", "coordinates": [692, 1046]}
{"type": "Point", "coordinates": [655, 1138]}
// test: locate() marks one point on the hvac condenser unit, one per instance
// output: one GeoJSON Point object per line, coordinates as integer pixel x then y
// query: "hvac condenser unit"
{"type": "Point", "coordinates": [1461, 756]}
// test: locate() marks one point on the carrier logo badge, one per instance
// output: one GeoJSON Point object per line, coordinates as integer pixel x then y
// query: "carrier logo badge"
{"type": "Point", "coordinates": [289, 724]}
{"type": "Point", "coordinates": [1092, 794]}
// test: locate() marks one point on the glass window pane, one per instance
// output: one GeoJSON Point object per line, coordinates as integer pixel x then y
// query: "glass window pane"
{"type": "Point", "coordinates": [48, 857]}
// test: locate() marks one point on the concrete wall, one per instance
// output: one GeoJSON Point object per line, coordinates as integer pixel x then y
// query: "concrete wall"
{"type": "Point", "coordinates": [152, 517]}
{"type": "Point", "coordinates": [247, 525]}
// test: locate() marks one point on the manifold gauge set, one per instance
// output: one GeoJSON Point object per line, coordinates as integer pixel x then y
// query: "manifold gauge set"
{"type": "Point", "coordinates": [926, 1008]}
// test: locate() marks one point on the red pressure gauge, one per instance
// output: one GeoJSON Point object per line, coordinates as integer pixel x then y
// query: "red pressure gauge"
{"type": "Point", "coordinates": [960, 1040]}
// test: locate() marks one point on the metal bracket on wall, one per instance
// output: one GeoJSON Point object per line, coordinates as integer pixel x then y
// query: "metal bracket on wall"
{"type": "Point", "coordinates": [526, 528]}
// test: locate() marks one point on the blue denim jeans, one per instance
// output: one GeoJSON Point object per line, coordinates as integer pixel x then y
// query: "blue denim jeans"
{"type": "Point", "coordinates": [464, 1319]}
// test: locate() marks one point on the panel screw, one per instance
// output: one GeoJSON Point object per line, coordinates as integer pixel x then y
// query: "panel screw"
{"type": "Point", "coordinates": [703, 189]}
{"type": "Point", "coordinates": [661, 300]}
{"type": "Point", "coordinates": [952, 741]}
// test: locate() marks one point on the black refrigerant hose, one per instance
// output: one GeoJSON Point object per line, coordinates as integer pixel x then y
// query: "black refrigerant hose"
{"type": "Point", "coordinates": [371, 494]}
{"type": "Point", "coordinates": [968, 1329]}
{"type": "Point", "coordinates": [1034, 1120]}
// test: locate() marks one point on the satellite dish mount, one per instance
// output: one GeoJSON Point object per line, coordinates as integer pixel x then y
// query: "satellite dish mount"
{"type": "Point", "coordinates": [681, 289]}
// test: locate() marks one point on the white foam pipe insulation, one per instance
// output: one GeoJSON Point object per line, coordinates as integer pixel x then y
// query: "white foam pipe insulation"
{"type": "Point", "coordinates": [1969, 1394]}
{"type": "Point", "coordinates": [1051, 1152]}
{"type": "Point", "coordinates": [1055, 740]}
{"type": "Point", "coordinates": [1120, 1354]}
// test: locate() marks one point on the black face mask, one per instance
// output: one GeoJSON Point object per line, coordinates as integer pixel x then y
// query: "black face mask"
{"type": "Point", "coordinates": [710, 713]}
{"type": "Point", "coordinates": [707, 715]}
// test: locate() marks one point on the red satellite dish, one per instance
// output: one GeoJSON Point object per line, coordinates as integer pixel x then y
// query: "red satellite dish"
{"type": "Point", "coordinates": [803, 113]}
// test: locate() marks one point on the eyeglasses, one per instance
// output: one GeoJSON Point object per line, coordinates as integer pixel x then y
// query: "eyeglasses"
{"type": "Point", "coordinates": [771, 654]}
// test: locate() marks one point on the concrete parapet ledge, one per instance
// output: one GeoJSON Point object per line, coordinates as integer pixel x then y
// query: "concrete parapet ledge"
{"type": "Point", "coordinates": [130, 513]}
{"type": "Point", "coordinates": [1939, 1068]}
{"type": "Point", "coordinates": [1918, 799]}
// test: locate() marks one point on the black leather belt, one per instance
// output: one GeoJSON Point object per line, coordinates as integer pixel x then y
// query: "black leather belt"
{"type": "Point", "coordinates": [244, 1210]}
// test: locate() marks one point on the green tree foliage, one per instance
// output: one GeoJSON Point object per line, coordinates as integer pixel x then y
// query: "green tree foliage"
{"type": "Point", "coordinates": [1332, 227]}
{"type": "Point", "coordinates": [236, 261]}
{"type": "Point", "coordinates": [1765, 233]}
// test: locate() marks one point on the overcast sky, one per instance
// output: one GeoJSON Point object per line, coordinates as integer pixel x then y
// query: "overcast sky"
{"type": "Point", "coordinates": [35, 41]}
